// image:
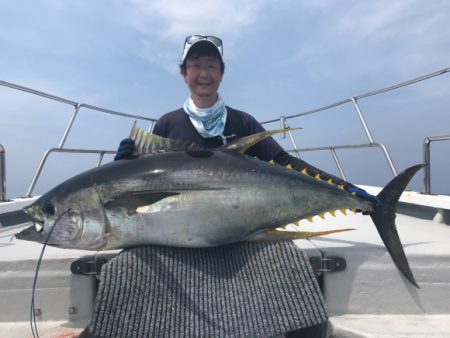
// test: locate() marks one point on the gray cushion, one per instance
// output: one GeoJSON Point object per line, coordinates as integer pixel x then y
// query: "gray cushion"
{"type": "Point", "coordinates": [239, 290]}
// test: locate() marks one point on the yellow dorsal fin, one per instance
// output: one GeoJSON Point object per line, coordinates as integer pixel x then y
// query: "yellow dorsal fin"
{"type": "Point", "coordinates": [148, 144]}
{"type": "Point", "coordinates": [304, 172]}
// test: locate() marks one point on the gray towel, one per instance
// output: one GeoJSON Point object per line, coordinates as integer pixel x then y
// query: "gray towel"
{"type": "Point", "coordinates": [238, 290]}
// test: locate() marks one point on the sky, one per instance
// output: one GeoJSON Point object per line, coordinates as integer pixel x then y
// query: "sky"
{"type": "Point", "coordinates": [282, 58]}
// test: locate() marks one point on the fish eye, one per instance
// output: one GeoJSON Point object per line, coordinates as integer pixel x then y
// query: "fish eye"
{"type": "Point", "coordinates": [49, 209]}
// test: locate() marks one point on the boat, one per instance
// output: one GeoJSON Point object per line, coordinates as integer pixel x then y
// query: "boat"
{"type": "Point", "coordinates": [364, 291]}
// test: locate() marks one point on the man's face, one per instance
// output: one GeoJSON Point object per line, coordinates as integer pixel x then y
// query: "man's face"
{"type": "Point", "coordinates": [203, 76]}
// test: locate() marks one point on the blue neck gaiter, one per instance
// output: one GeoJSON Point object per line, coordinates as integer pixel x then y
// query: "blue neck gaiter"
{"type": "Point", "coordinates": [209, 122]}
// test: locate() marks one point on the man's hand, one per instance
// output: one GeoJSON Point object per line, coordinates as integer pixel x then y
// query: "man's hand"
{"type": "Point", "coordinates": [125, 150]}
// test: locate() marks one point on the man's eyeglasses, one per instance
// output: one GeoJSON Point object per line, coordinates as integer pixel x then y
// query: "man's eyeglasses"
{"type": "Point", "coordinates": [192, 39]}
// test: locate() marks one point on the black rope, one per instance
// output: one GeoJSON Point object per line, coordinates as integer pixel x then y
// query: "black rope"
{"type": "Point", "coordinates": [34, 329]}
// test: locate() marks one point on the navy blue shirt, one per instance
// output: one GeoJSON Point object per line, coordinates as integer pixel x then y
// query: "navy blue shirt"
{"type": "Point", "coordinates": [178, 126]}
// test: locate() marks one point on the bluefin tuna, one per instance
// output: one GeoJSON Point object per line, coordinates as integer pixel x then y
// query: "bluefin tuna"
{"type": "Point", "coordinates": [177, 194]}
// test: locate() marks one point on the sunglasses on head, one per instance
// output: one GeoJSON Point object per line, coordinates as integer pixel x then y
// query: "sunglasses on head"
{"type": "Point", "coordinates": [190, 40]}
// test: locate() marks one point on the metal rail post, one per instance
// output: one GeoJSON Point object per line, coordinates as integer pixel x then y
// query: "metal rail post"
{"type": "Point", "coordinates": [2, 175]}
{"type": "Point", "coordinates": [338, 164]}
{"type": "Point", "coordinates": [283, 126]}
{"type": "Point", "coordinates": [369, 135]}
{"type": "Point", "coordinates": [362, 119]}
{"type": "Point", "coordinates": [427, 159]}
{"type": "Point", "coordinates": [69, 125]}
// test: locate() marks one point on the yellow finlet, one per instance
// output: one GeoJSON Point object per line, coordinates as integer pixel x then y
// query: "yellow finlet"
{"type": "Point", "coordinates": [304, 172]}
{"type": "Point", "coordinates": [272, 162]}
{"type": "Point", "coordinates": [353, 210]}
{"type": "Point", "coordinates": [333, 213]}
{"type": "Point", "coordinates": [322, 215]}
{"type": "Point", "coordinates": [344, 211]}
{"type": "Point", "coordinates": [310, 218]}
{"type": "Point", "coordinates": [341, 186]}
{"type": "Point", "coordinates": [289, 166]}
{"type": "Point", "coordinates": [317, 177]}
{"type": "Point", "coordinates": [330, 181]}
{"type": "Point", "coordinates": [354, 193]}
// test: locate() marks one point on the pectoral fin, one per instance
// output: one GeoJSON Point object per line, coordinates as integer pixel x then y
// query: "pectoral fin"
{"type": "Point", "coordinates": [275, 235]}
{"type": "Point", "coordinates": [133, 201]}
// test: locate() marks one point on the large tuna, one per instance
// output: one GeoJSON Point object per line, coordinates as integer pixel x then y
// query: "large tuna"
{"type": "Point", "coordinates": [179, 195]}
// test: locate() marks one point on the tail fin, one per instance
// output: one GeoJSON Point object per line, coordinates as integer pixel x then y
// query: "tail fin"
{"type": "Point", "coordinates": [384, 219]}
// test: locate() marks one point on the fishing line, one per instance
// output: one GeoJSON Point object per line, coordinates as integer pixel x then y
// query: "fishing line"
{"type": "Point", "coordinates": [33, 324]}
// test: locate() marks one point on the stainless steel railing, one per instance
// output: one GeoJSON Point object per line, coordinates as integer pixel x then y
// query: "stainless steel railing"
{"type": "Point", "coordinates": [64, 150]}
{"type": "Point", "coordinates": [2, 174]}
{"type": "Point", "coordinates": [427, 159]}
{"type": "Point", "coordinates": [333, 149]}
{"type": "Point", "coordinates": [283, 120]}
{"type": "Point", "coordinates": [77, 107]}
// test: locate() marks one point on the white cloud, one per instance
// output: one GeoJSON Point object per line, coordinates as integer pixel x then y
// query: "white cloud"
{"type": "Point", "coordinates": [181, 17]}
{"type": "Point", "coordinates": [164, 24]}
{"type": "Point", "coordinates": [362, 19]}
{"type": "Point", "coordinates": [405, 37]}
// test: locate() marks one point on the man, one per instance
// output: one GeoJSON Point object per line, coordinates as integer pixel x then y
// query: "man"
{"type": "Point", "coordinates": [243, 289]}
{"type": "Point", "coordinates": [206, 121]}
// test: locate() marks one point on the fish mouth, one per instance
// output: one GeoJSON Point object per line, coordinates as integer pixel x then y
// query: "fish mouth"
{"type": "Point", "coordinates": [30, 234]}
